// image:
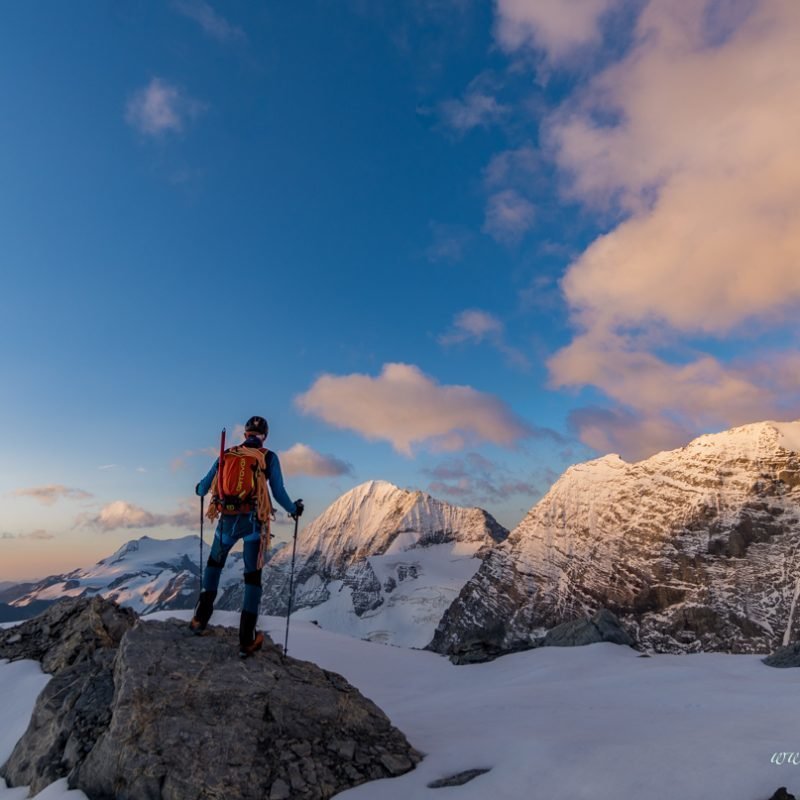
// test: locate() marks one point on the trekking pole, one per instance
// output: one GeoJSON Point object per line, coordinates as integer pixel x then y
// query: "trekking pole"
{"type": "Point", "coordinates": [202, 515]}
{"type": "Point", "coordinates": [291, 589]}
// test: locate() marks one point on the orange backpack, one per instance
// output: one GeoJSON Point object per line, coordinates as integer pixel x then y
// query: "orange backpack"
{"type": "Point", "coordinates": [241, 481]}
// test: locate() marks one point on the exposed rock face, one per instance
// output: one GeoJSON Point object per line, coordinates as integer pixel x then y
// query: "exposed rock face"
{"type": "Point", "coordinates": [170, 715]}
{"type": "Point", "coordinates": [67, 633]}
{"type": "Point", "coordinates": [72, 711]}
{"type": "Point", "coordinates": [788, 656]}
{"type": "Point", "coordinates": [382, 555]}
{"type": "Point", "coordinates": [694, 549]}
{"type": "Point", "coordinates": [602, 627]}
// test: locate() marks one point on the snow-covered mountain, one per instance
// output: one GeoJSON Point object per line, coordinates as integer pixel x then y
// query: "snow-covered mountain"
{"type": "Point", "coordinates": [694, 549]}
{"type": "Point", "coordinates": [380, 563]}
{"type": "Point", "coordinates": [145, 574]}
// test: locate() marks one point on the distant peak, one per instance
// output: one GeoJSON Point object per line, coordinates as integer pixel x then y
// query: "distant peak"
{"type": "Point", "coordinates": [375, 487]}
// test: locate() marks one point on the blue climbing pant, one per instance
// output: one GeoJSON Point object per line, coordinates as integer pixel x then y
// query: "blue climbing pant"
{"type": "Point", "coordinates": [230, 529]}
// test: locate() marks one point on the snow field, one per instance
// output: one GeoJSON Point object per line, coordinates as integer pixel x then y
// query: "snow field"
{"type": "Point", "coordinates": [596, 722]}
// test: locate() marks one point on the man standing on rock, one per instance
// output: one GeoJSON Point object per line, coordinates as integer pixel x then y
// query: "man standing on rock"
{"type": "Point", "coordinates": [240, 498]}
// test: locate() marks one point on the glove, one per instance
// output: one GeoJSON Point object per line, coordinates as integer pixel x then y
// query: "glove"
{"type": "Point", "coordinates": [298, 509]}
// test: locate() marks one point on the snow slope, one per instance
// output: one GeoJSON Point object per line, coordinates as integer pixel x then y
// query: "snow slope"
{"type": "Point", "coordinates": [589, 723]}
{"type": "Point", "coordinates": [695, 549]}
{"type": "Point", "coordinates": [381, 563]}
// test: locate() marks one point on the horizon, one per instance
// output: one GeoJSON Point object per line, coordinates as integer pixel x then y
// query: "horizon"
{"type": "Point", "coordinates": [457, 246]}
{"type": "Point", "coordinates": [792, 441]}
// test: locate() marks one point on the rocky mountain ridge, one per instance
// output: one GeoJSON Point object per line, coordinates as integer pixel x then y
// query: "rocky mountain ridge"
{"type": "Point", "coordinates": [693, 549]}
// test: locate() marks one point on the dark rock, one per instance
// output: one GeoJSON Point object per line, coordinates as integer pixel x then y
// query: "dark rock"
{"type": "Point", "coordinates": [782, 794]}
{"type": "Point", "coordinates": [70, 714]}
{"type": "Point", "coordinates": [67, 633]}
{"type": "Point", "coordinates": [602, 627]}
{"type": "Point", "coordinates": [459, 779]}
{"type": "Point", "coordinates": [488, 648]}
{"type": "Point", "coordinates": [170, 715]}
{"type": "Point", "coordinates": [788, 656]}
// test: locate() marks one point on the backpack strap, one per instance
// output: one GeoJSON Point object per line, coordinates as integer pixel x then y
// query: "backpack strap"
{"type": "Point", "coordinates": [268, 456]}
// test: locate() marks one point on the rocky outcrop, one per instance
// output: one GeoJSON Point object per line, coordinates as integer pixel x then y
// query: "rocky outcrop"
{"type": "Point", "coordinates": [166, 714]}
{"type": "Point", "coordinates": [696, 549]}
{"type": "Point", "coordinates": [602, 627]}
{"type": "Point", "coordinates": [67, 633]}
{"type": "Point", "coordinates": [788, 656]}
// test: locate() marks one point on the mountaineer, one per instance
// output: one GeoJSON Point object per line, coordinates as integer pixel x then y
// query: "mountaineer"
{"type": "Point", "coordinates": [241, 500]}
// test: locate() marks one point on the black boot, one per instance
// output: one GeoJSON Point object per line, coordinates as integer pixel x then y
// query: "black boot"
{"type": "Point", "coordinates": [203, 611]}
{"type": "Point", "coordinates": [250, 640]}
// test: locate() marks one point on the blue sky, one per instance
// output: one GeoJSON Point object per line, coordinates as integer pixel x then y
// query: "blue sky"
{"type": "Point", "coordinates": [213, 211]}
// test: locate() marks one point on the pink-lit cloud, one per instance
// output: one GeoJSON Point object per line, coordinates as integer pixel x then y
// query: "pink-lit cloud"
{"type": "Point", "coordinates": [556, 27]}
{"type": "Point", "coordinates": [407, 408]}
{"type": "Point", "coordinates": [160, 108]}
{"type": "Point", "coordinates": [212, 22]}
{"type": "Point", "coordinates": [121, 514]}
{"type": "Point", "coordinates": [449, 243]}
{"type": "Point", "coordinates": [688, 141]}
{"type": "Point", "coordinates": [476, 479]}
{"type": "Point", "coordinates": [509, 216]}
{"type": "Point", "coordinates": [300, 459]}
{"type": "Point", "coordinates": [478, 107]}
{"type": "Point", "coordinates": [50, 493]}
{"type": "Point", "coordinates": [476, 326]}
{"type": "Point", "coordinates": [39, 535]}
{"type": "Point", "coordinates": [515, 167]}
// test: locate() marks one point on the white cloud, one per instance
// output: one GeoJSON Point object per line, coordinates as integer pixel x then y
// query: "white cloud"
{"type": "Point", "coordinates": [300, 459]}
{"type": "Point", "coordinates": [213, 23]}
{"type": "Point", "coordinates": [512, 168]}
{"type": "Point", "coordinates": [123, 515]}
{"type": "Point", "coordinates": [160, 108]}
{"type": "Point", "coordinates": [406, 408]}
{"type": "Point", "coordinates": [476, 326]}
{"type": "Point", "coordinates": [475, 479]}
{"type": "Point", "coordinates": [557, 27]}
{"type": "Point", "coordinates": [472, 324]}
{"type": "Point", "coordinates": [449, 243]}
{"type": "Point", "coordinates": [704, 161]}
{"type": "Point", "coordinates": [508, 216]}
{"type": "Point", "coordinates": [687, 139]}
{"type": "Point", "coordinates": [618, 430]}
{"type": "Point", "coordinates": [475, 109]}
{"type": "Point", "coordinates": [38, 535]}
{"type": "Point", "coordinates": [52, 492]}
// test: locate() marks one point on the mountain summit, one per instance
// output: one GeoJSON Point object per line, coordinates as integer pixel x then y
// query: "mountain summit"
{"type": "Point", "coordinates": [694, 549]}
{"type": "Point", "coordinates": [380, 563]}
